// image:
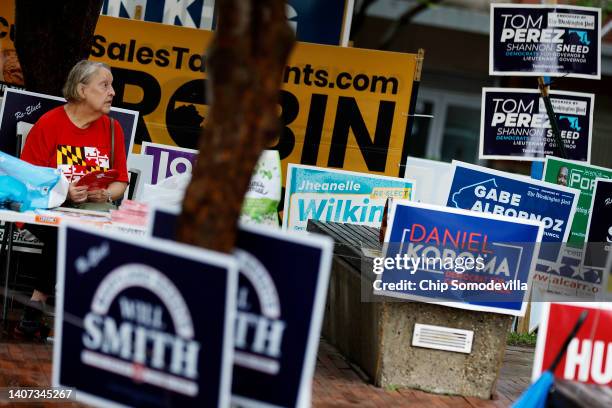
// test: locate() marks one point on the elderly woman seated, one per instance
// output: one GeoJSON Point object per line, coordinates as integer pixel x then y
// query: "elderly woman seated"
{"type": "Point", "coordinates": [77, 138]}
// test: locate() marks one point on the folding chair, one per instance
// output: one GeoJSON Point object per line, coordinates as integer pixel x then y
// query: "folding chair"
{"type": "Point", "coordinates": [22, 131]}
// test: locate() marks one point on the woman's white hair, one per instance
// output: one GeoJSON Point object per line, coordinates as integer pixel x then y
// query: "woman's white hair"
{"type": "Point", "coordinates": [81, 73]}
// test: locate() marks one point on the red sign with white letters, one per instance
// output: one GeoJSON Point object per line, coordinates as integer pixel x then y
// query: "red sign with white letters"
{"type": "Point", "coordinates": [589, 356]}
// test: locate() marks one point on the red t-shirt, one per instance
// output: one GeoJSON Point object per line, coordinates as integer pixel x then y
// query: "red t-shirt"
{"type": "Point", "coordinates": [54, 141]}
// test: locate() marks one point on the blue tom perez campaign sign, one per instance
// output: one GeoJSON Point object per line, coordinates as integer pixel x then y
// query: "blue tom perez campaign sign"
{"type": "Point", "coordinates": [545, 40]}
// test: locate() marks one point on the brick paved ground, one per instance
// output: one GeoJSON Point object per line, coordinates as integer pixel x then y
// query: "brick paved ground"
{"type": "Point", "coordinates": [336, 382]}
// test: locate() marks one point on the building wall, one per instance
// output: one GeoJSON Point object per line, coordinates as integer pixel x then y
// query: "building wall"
{"type": "Point", "coordinates": [456, 64]}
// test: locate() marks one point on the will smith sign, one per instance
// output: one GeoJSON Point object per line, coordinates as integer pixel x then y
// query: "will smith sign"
{"type": "Point", "coordinates": [152, 323]}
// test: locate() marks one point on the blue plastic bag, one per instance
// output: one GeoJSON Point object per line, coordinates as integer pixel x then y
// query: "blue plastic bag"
{"type": "Point", "coordinates": [44, 187]}
{"type": "Point", "coordinates": [13, 194]}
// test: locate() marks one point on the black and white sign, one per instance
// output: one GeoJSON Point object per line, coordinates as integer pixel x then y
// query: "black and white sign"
{"type": "Point", "coordinates": [545, 40]}
{"type": "Point", "coordinates": [599, 228]}
{"type": "Point", "coordinates": [24, 106]}
{"type": "Point", "coordinates": [143, 324]}
{"type": "Point", "coordinates": [514, 124]}
{"type": "Point", "coordinates": [281, 298]}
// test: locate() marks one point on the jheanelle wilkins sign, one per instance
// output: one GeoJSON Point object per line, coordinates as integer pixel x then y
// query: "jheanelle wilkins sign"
{"type": "Point", "coordinates": [458, 258]}
{"type": "Point", "coordinates": [278, 322]}
{"type": "Point", "coordinates": [514, 124]}
{"type": "Point", "coordinates": [490, 191]}
{"type": "Point", "coordinates": [546, 40]}
{"type": "Point", "coordinates": [339, 196]}
{"type": "Point", "coordinates": [152, 324]}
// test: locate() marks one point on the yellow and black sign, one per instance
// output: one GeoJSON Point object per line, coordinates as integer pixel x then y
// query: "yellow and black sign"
{"type": "Point", "coordinates": [340, 107]}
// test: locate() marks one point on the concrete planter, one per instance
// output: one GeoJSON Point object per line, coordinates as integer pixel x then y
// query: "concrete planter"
{"type": "Point", "coordinates": [377, 336]}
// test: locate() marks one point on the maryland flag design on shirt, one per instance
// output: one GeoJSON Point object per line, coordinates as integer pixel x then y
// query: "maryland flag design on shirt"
{"type": "Point", "coordinates": [76, 161]}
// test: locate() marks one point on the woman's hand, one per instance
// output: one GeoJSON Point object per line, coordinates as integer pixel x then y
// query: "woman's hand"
{"type": "Point", "coordinates": [77, 194]}
{"type": "Point", "coordinates": [98, 196]}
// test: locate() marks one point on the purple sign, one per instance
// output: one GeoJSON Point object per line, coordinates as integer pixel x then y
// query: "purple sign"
{"type": "Point", "coordinates": [169, 160]}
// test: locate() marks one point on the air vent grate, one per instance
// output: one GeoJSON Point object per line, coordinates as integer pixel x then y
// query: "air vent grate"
{"type": "Point", "coordinates": [442, 338]}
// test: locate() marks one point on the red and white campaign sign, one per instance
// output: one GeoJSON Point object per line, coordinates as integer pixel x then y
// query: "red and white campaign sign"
{"type": "Point", "coordinates": [589, 356]}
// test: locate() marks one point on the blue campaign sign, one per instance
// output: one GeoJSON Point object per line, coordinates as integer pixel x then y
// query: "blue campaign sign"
{"type": "Point", "coordinates": [190, 13]}
{"type": "Point", "coordinates": [279, 316]}
{"type": "Point", "coordinates": [317, 21]}
{"type": "Point", "coordinates": [321, 21]}
{"type": "Point", "coordinates": [514, 124]}
{"type": "Point", "coordinates": [457, 258]}
{"type": "Point", "coordinates": [162, 223]}
{"type": "Point", "coordinates": [324, 194]}
{"type": "Point", "coordinates": [545, 40]}
{"type": "Point", "coordinates": [490, 191]}
{"type": "Point", "coordinates": [152, 324]}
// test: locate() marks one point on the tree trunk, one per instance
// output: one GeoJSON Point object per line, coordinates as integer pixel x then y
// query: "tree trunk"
{"type": "Point", "coordinates": [51, 36]}
{"type": "Point", "coordinates": [245, 64]}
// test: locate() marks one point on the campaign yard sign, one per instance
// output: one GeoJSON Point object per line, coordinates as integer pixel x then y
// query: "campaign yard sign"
{"type": "Point", "coordinates": [192, 13]}
{"type": "Point", "coordinates": [24, 106]}
{"type": "Point", "coordinates": [162, 222]}
{"type": "Point", "coordinates": [459, 258]}
{"type": "Point", "coordinates": [580, 176]}
{"type": "Point", "coordinates": [338, 196]}
{"type": "Point", "coordinates": [514, 124]}
{"type": "Point", "coordinates": [152, 324]}
{"type": "Point", "coordinates": [317, 21]}
{"type": "Point", "coordinates": [565, 281]}
{"type": "Point", "coordinates": [490, 191]}
{"type": "Point", "coordinates": [432, 177]}
{"type": "Point", "coordinates": [340, 107]}
{"type": "Point", "coordinates": [589, 355]}
{"type": "Point", "coordinates": [607, 280]}
{"type": "Point", "coordinates": [321, 21]}
{"type": "Point", "coordinates": [169, 161]}
{"type": "Point", "coordinates": [279, 317]}
{"type": "Point", "coordinates": [545, 40]}
{"type": "Point", "coordinates": [599, 227]}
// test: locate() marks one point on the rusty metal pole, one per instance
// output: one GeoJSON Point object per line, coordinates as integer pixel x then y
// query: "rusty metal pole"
{"type": "Point", "coordinates": [245, 63]}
